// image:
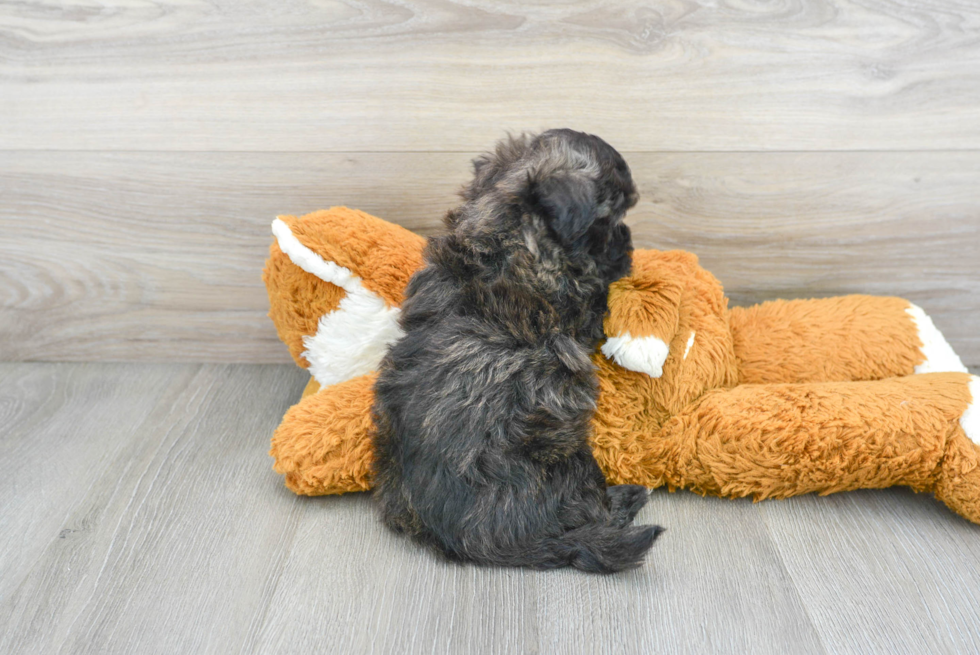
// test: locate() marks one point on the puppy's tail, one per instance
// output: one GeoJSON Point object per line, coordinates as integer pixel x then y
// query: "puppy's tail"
{"type": "Point", "coordinates": [599, 548]}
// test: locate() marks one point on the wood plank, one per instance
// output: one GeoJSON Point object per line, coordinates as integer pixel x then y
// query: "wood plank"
{"type": "Point", "coordinates": [882, 571]}
{"type": "Point", "coordinates": [187, 542]}
{"type": "Point", "coordinates": [790, 225]}
{"type": "Point", "coordinates": [351, 583]}
{"type": "Point", "coordinates": [182, 539]}
{"type": "Point", "coordinates": [449, 76]}
{"type": "Point", "coordinates": [62, 428]}
{"type": "Point", "coordinates": [172, 547]}
{"type": "Point", "coordinates": [156, 256]}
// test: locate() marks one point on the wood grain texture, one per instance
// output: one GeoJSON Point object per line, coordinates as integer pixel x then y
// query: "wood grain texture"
{"type": "Point", "coordinates": [874, 569]}
{"type": "Point", "coordinates": [800, 147]}
{"type": "Point", "coordinates": [163, 549]}
{"type": "Point", "coordinates": [63, 427]}
{"type": "Point", "coordinates": [409, 601]}
{"type": "Point", "coordinates": [157, 256]}
{"type": "Point", "coordinates": [421, 75]}
{"type": "Point", "coordinates": [172, 534]}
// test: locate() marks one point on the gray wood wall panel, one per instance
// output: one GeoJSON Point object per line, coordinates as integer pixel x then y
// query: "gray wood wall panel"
{"type": "Point", "coordinates": [157, 256]}
{"type": "Point", "coordinates": [802, 149]}
{"type": "Point", "coordinates": [426, 75]}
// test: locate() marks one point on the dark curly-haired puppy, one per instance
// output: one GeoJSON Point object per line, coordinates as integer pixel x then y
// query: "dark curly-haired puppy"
{"type": "Point", "coordinates": [483, 408]}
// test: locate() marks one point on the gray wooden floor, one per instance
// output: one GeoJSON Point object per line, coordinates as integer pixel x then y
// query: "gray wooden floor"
{"type": "Point", "coordinates": [139, 514]}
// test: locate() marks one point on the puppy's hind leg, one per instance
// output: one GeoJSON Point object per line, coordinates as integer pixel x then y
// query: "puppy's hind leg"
{"type": "Point", "coordinates": [602, 539]}
{"type": "Point", "coordinates": [625, 500]}
{"type": "Point", "coordinates": [604, 548]}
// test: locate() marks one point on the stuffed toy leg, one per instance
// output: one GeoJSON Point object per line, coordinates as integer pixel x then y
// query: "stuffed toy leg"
{"type": "Point", "coordinates": [781, 440]}
{"type": "Point", "coordinates": [770, 401]}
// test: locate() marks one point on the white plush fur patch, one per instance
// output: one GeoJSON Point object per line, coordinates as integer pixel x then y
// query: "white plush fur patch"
{"type": "Point", "coordinates": [641, 354]}
{"type": "Point", "coordinates": [939, 355]}
{"type": "Point", "coordinates": [351, 340]}
{"type": "Point", "coordinates": [690, 342]}
{"type": "Point", "coordinates": [970, 421]}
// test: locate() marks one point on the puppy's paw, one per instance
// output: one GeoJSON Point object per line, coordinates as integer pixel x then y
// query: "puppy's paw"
{"type": "Point", "coordinates": [625, 500]}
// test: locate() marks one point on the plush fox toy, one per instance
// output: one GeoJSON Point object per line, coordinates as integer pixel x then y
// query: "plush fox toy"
{"type": "Point", "coordinates": [770, 401]}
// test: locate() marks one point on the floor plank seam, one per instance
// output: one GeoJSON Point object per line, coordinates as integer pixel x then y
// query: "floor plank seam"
{"type": "Point", "coordinates": [280, 559]}
{"type": "Point", "coordinates": [789, 573]}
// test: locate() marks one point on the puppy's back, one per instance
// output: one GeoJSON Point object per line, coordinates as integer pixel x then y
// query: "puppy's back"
{"type": "Point", "coordinates": [483, 408]}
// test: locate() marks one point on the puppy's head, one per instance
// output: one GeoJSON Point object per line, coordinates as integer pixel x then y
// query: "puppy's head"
{"type": "Point", "coordinates": [567, 188]}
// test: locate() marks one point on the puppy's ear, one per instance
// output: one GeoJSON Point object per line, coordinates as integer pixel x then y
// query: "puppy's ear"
{"type": "Point", "coordinates": [488, 167]}
{"type": "Point", "coordinates": [485, 169]}
{"type": "Point", "coordinates": [569, 202]}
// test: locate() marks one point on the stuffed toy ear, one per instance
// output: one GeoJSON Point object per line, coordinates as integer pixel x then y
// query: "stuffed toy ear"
{"type": "Point", "coordinates": [336, 279]}
{"type": "Point", "coordinates": [643, 316]}
{"type": "Point", "coordinates": [297, 300]}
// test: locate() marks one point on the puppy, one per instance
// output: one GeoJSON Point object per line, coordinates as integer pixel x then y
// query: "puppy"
{"type": "Point", "coordinates": [483, 408]}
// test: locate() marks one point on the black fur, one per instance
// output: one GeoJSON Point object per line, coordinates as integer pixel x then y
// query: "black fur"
{"type": "Point", "coordinates": [483, 408]}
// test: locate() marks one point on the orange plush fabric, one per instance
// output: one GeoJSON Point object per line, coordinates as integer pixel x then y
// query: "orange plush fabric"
{"type": "Point", "coordinates": [846, 338]}
{"type": "Point", "coordinates": [770, 401]}
{"type": "Point", "coordinates": [322, 445]}
{"type": "Point", "coordinates": [385, 254]}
